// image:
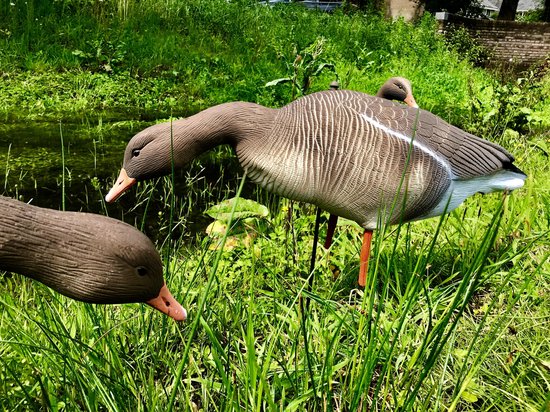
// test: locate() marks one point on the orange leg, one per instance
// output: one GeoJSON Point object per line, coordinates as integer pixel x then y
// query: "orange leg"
{"type": "Point", "coordinates": [332, 220]}
{"type": "Point", "coordinates": [364, 259]}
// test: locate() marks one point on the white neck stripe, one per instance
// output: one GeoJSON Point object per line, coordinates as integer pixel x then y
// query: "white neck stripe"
{"type": "Point", "coordinates": [375, 123]}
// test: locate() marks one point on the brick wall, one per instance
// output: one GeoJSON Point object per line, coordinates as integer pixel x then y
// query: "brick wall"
{"type": "Point", "coordinates": [516, 43]}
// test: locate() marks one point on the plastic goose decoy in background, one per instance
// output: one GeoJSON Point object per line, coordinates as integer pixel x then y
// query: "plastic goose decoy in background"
{"type": "Point", "coordinates": [86, 257]}
{"type": "Point", "coordinates": [397, 88]}
{"type": "Point", "coordinates": [352, 154]}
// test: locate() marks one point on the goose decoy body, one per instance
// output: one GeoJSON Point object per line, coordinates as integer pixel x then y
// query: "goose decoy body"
{"type": "Point", "coordinates": [395, 88]}
{"type": "Point", "coordinates": [84, 256]}
{"type": "Point", "coordinates": [358, 156]}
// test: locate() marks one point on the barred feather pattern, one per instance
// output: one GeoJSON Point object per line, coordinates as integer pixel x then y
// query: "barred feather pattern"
{"type": "Point", "coordinates": [366, 158]}
{"type": "Point", "coordinates": [357, 156]}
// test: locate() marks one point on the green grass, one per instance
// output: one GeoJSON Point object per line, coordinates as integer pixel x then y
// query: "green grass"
{"type": "Point", "coordinates": [163, 58]}
{"type": "Point", "coordinates": [454, 317]}
{"type": "Point", "coordinates": [155, 59]}
{"type": "Point", "coordinates": [456, 312]}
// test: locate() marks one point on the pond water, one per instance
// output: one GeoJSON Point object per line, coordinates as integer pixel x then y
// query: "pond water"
{"type": "Point", "coordinates": [31, 170]}
{"type": "Point", "coordinates": [31, 155]}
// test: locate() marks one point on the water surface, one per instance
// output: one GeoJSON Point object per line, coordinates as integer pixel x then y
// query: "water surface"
{"type": "Point", "coordinates": [31, 170]}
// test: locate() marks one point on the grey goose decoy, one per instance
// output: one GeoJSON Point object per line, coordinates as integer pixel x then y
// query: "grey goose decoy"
{"type": "Point", "coordinates": [354, 155]}
{"type": "Point", "coordinates": [395, 88]}
{"type": "Point", "coordinates": [84, 256]}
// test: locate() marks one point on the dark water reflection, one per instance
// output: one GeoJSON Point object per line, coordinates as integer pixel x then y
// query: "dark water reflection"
{"type": "Point", "coordinates": [31, 169]}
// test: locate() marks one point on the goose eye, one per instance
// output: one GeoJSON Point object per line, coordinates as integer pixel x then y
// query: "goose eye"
{"type": "Point", "coordinates": [142, 271]}
{"type": "Point", "coordinates": [135, 152]}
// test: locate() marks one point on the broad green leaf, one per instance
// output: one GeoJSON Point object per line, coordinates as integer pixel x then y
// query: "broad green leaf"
{"type": "Point", "coordinates": [245, 208]}
{"type": "Point", "coordinates": [278, 81]}
{"type": "Point", "coordinates": [323, 66]}
{"type": "Point", "coordinates": [469, 397]}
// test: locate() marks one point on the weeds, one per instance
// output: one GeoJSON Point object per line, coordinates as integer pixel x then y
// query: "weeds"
{"type": "Point", "coordinates": [165, 58]}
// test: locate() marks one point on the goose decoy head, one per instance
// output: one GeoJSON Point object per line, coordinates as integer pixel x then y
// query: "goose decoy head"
{"type": "Point", "coordinates": [87, 257]}
{"type": "Point", "coordinates": [398, 88]}
{"type": "Point", "coordinates": [132, 270]}
{"type": "Point", "coordinates": [147, 155]}
{"type": "Point", "coordinates": [134, 161]}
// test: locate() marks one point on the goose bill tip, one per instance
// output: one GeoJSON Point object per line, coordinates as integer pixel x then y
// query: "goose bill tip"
{"type": "Point", "coordinates": [411, 102]}
{"type": "Point", "coordinates": [165, 303]}
{"type": "Point", "coordinates": [122, 184]}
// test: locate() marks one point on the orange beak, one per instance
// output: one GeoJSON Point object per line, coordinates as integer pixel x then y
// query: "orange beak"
{"type": "Point", "coordinates": [123, 183]}
{"type": "Point", "coordinates": [166, 303]}
{"type": "Point", "coordinates": [410, 101]}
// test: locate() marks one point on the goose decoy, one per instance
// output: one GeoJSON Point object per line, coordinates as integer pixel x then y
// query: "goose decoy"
{"type": "Point", "coordinates": [358, 156]}
{"type": "Point", "coordinates": [86, 257]}
{"type": "Point", "coordinates": [395, 88]}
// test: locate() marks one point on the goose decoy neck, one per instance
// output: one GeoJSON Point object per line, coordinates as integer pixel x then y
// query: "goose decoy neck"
{"type": "Point", "coordinates": [183, 140]}
{"type": "Point", "coordinates": [84, 256]}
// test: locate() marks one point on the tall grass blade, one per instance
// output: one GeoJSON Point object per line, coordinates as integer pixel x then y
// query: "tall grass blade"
{"type": "Point", "coordinates": [200, 306]}
{"type": "Point", "coordinates": [62, 167]}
